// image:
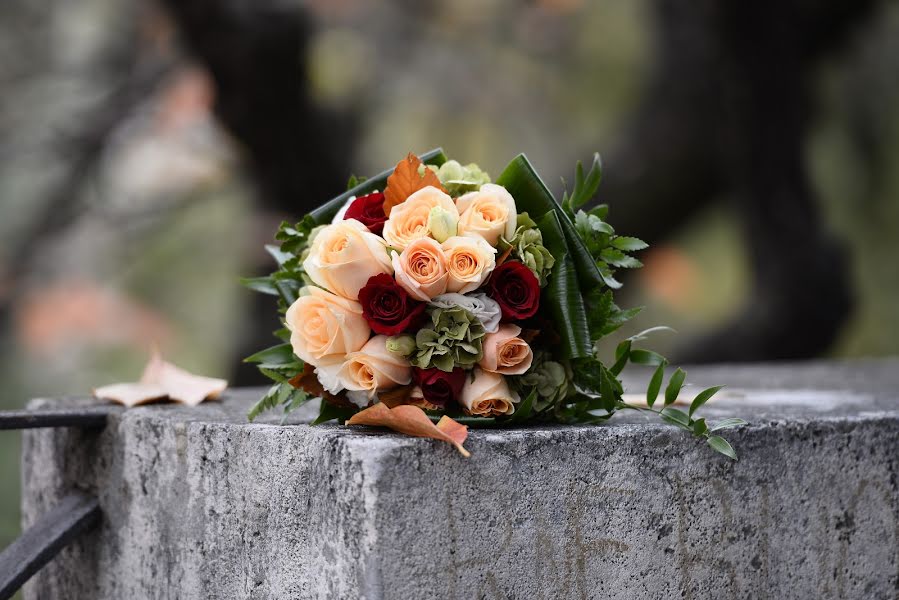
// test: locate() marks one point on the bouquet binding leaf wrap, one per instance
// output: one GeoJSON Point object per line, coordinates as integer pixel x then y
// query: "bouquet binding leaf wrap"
{"type": "Point", "coordinates": [428, 299]}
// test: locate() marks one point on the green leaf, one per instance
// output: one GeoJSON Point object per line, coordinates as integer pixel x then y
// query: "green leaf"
{"type": "Point", "coordinates": [728, 424]}
{"type": "Point", "coordinates": [276, 395]}
{"type": "Point", "coordinates": [264, 285]}
{"type": "Point", "coordinates": [523, 410]}
{"type": "Point", "coordinates": [703, 397]}
{"type": "Point", "coordinates": [532, 196]}
{"type": "Point", "coordinates": [296, 399]}
{"type": "Point", "coordinates": [619, 317]}
{"type": "Point", "coordinates": [279, 256]}
{"type": "Point", "coordinates": [646, 357]}
{"type": "Point", "coordinates": [645, 333]}
{"type": "Point", "coordinates": [674, 386]}
{"type": "Point", "coordinates": [677, 417]}
{"type": "Point", "coordinates": [325, 213]}
{"type": "Point", "coordinates": [585, 187]}
{"type": "Point", "coordinates": [329, 412]}
{"type": "Point", "coordinates": [607, 389]}
{"type": "Point", "coordinates": [719, 444]}
{"type": "Point", "coordinates": [562, 295]}
{"type": "Point", "coordinates": [629, 244]}
{"type": "Point", "coordinates": [618, 258]}
{"type": "Point", "coordinates": [601, 211]}
{"type": "Point", "coordinates": [622, 353]}
{"type": "Point", "coordinates": [655, 384]}
{"type": "Point", "coordinates": [699, 427]}
{"type": "Point", "coordinates": [280, 354]}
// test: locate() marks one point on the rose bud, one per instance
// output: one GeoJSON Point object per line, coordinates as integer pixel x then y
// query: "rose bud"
{"type": "Point", "coordinates": [506, 353]}
{"type": "Point", "coordinates": [516, 290]}
{"type": "Point", "coordinates": [442, 223]}
{"type": "Point", "coordinates": [439, 387]}
{"type": "Point", "coordinates": [388, 308]}
{"type": "Point", "coordinates": [401, 345]}
{"type": "Point", "coordinates": [368, 210]}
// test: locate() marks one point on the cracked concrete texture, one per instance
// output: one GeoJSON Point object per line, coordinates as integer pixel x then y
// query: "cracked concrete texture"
{"type": "Point", "coordinates": [198, 503]}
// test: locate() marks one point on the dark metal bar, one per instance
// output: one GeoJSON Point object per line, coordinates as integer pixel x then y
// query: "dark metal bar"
{"type": "Point", "coordinates": [94, 416]}
{"type": "Point", "coordinates": [75, 514]}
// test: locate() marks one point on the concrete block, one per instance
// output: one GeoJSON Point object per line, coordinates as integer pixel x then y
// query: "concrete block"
{"type": "Point", "coordinates": [200, 504]}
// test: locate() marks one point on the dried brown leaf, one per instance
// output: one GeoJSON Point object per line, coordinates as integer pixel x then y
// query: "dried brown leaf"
{"type": "Point", "coordinates": [405, 180]}
{"type": "Point", "coordinates": [412, 420]}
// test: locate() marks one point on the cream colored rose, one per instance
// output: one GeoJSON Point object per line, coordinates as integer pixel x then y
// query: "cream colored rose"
{"type": "Point", "coordinates": [409, 221]}
{"type": "Point", "coordinates": [374, 368]}
{"type": "Point", "coordinates": [505, 352]}
{"type": "Point", "coordinates": [344, 255]}
{"type": "Point", "coordinates": [489, 213]}
{"type": "Point", "coordinates": [421, 269]}
{"type": "Point", "coordinates": [325, 327]}
{"type": "Point", "coordinates": [469, 260]}
{"type": "Point", "coordinates": [487, 395]}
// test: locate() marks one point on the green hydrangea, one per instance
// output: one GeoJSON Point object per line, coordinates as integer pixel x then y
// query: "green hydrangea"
{"type": "Point", "coordinates": [527, 246]}
{"type": "Point", "coordinates": [551, 379]}
{"type": "Point", "coordinates": [459, 179]}
{"type": "Point", "coordinates": [453, 338]}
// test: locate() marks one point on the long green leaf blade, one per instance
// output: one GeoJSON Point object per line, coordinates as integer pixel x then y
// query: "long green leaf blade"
{"type": "Point", "coordinates": [719, 444]}
{"type": "Point", "coordinates": [674, 386]}
{"type": "Point", "coordinates": [655, 384]}
{"type": "Point", "coordinates": [703, 397]}
{"type": "Point", "coordinates": [562, 296]}
{"type": "Point", "coordinates": [532, 196]}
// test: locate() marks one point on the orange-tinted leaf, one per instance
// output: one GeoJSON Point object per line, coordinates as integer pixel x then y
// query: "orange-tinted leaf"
{"type": "Point", "coordinates": [405, 180]}
{"type": "Point", "coordinates": [396, 397]}
{"type": "Point", "coordinates": [502, 257]}
{"type": "Point", "coordinates": [412, 420]}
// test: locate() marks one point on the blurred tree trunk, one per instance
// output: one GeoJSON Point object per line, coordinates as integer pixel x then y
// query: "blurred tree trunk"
{"type": "Point", "coordinates": [296, 152]}
{"type": "Point", "coordinates": [726, 114]}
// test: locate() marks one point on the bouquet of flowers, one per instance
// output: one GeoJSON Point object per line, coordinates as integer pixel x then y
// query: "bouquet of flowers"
{"type": "Point", "coordinates": [428, 299]}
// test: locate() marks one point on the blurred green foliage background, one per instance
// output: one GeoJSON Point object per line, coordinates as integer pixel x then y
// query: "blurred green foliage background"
{"type": "Point", "coordinates": [167, 221]}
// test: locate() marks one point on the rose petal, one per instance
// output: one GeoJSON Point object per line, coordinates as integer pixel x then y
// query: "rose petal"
{"type": "Point", "coordinates": [413, 421]}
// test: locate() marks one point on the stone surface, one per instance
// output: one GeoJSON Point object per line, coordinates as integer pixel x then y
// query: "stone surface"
{"type": "Point", "coordinates": [200, 504]}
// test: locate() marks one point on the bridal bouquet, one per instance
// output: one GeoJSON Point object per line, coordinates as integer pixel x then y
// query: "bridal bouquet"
{"type": "Point", "coordinates": [429, 299]}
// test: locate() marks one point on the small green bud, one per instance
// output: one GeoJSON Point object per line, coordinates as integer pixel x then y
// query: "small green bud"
{"type": "Point", "coordinates": [402, 345]}
{"type": "Point", "coordinates": [442, 224]}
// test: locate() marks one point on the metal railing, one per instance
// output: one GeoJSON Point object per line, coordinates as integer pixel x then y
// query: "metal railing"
{"type": "Point", "coordinates": [74, 515]}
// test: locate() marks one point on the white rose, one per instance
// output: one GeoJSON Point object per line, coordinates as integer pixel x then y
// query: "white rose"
{"type": "Point", "coordinates": [489, 213]}
{"type": "Point", "coordinates": [344, 255]}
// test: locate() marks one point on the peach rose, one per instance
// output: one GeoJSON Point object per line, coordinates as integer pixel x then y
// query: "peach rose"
{"type": "Point", "coordinates": [469, 260]}
{"type": "Point", "coordinates": [344, 255]}
{"type": "Point", "coordinates": [325, 327]}
{"type": "Point", "coordinates": [489, 213]}
{"type": "Point", "coordinates": [373, 368]}
{"type": "Point", "coordinates": [505, 352]}
{"type": "Point", "coordinates": [421, 269]}
{"type": "Point", "coordinates": [409, 221]}
{"type": "Point", "coordinates": [487, 395]}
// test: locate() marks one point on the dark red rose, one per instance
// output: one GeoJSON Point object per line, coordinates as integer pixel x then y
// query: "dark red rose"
{"type": "Point", "coordinates": [516, 289]}
{"type": "Point", "coordinates": [439, 387]}
{"type": "Point", "coordinates": [388, 308]}
{"type": "Point", "coordinates": [368, 210]}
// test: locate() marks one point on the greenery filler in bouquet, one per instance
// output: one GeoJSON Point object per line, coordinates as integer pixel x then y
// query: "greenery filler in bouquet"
{"type": "Point", "coordinates": [429, 298]}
